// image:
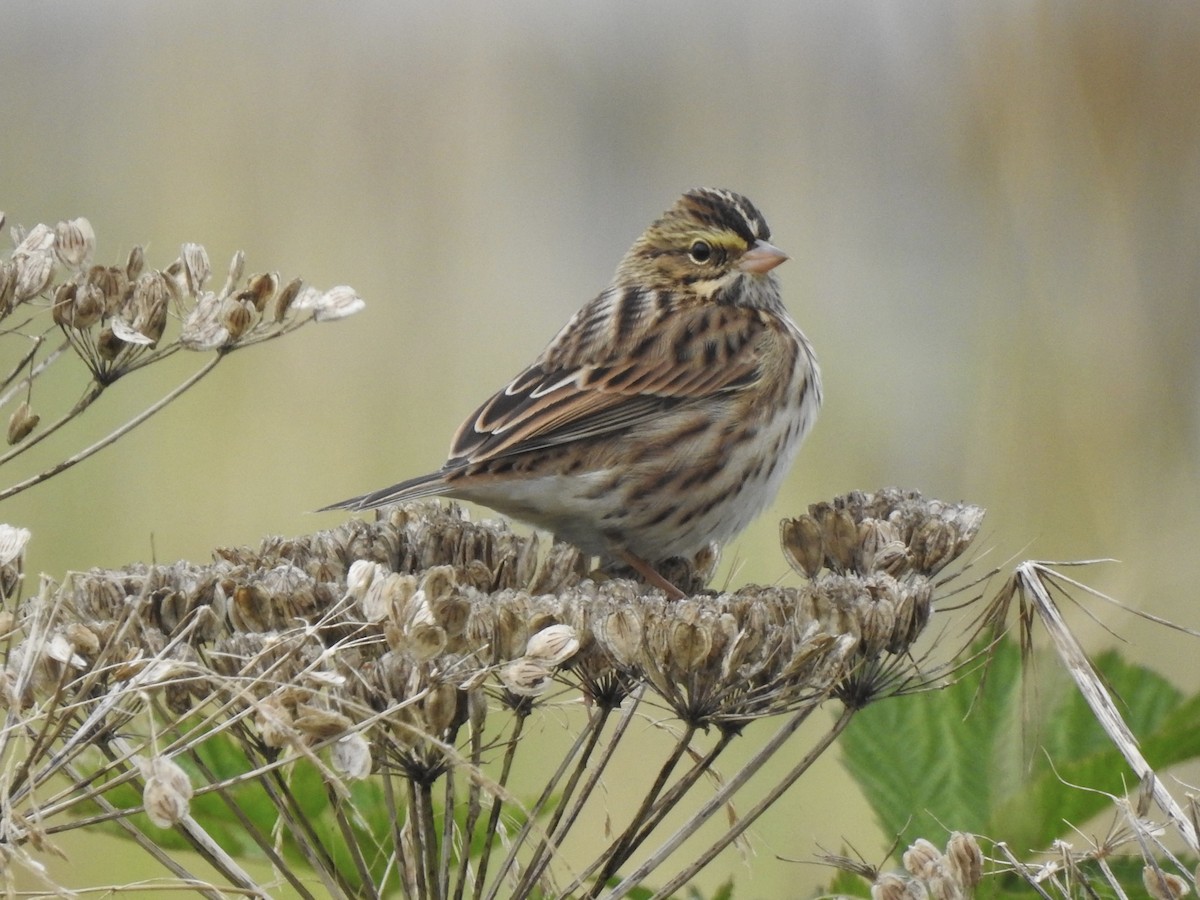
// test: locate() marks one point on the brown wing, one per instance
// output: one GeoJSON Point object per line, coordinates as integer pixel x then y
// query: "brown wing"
{"type": "Point", "coordinates": [621, 361]}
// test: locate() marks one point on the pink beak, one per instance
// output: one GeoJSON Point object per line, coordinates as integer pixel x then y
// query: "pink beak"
{"type": "Point", "coordinates": [761, 258]}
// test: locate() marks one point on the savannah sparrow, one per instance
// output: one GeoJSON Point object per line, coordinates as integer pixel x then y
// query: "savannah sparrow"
{"type": "Point", "coordinates": [666, 412]}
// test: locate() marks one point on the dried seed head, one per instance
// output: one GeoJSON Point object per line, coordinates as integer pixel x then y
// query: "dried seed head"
{"type": "Point", "coordinates": [202, 329]}
{"type": "Point", "coordinates": [964, 859]}
{"type": "Point", "coordinates": [359, 577]}
{"type": "Point", "coordinates": [933, 546]}
{"type": "Point", "coordinates": [274, 723]}
{"type": "Point", "coordinates": [12, 558]}
{"type": "Point", "coordinates": [74, 243]}
{"type": "Point", "coordinates": [39, 239]}
{"type": "Point", "coordinates": [441, 708]}
{"type": "Point", "coordinates": [622, 635]}
{"type": "Point", "coordinates": [337, 303]}
{"type": "Point", "coordinates": [841, 540]}
{"type": "Point", "coordinates": [152, 292]}
{"type": "Point", "coordinates": [527, 677]}
{"type": "Point", "coordinates": [1162, 885]}
{"type": "Point", "coordinates": [318, 724]}
{"type": "Point", "coordinates": [425, 640]}
{"type": "Point", "coordinates": [877, 620]}
{"type": "Point", "coordinates": [167, 792]}
{"type": "Point", "coordinates": [237, 317]}
{"type": "Point", "coordinates": [285, 298]}
{"type": "Point", "coordinates": [801, 540]}
{"type": "Point", "coordinates": [351, 755]}
{"type": "Point", "coordinates": [83, 639]}
{"type": "Point", "coordinates": [913, 608]}
{"type": "Point", "coordinates": [689, 644]}
{"type": "Point", "coordinates": [111, 282]}
{"type": "Point", "coordinates": [196, 267]}
{"type": "Point", "coordinates": [922, 859]}
{"type": "Point", "coordinates": [21, 423]}
{"type": "Point", "coordinates": [890, 886]}
{"type": "Point", "coordinates": [108, 344]}
{"type": "Point", "coordinates": [34, 273]}
{"type": "Point", "coordinates": [135, 263]}
{"type": "Point", "coordinates": [8, 286]}
{"type": "Point", "coordinates": [259, 290]}
{"type": "Point", "coordinates": [553, 646]}
{"type": "Point", "coordinates": [237, 266]}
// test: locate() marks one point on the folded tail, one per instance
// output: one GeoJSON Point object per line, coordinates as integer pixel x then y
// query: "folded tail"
{"type": "Point", "coordinates": [425, 486]}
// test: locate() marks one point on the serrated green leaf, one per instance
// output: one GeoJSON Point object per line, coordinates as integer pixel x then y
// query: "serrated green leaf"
{"type": "Point", "coordinates": [966, 759]}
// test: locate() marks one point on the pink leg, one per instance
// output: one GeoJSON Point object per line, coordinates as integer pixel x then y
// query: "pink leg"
{"type": "Point", "coordinates": [648, 572]}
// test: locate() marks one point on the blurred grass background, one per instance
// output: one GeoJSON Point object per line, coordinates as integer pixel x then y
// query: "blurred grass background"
{"type": "Point", "coordinates": [992, 210]}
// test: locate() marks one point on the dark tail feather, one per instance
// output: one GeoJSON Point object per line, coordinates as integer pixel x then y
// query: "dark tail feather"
{"type": "Point", "coordinates": [425, 486]}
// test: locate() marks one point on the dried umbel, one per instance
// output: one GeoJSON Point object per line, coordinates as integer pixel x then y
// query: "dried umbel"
{"type": "Point", "coordinates": [119, 319]}
{"type": "Point", "coordinates": [931, 873]}
{"type": "Point", "coordinates": [412, 649]}
{"type": "Point", "coordinates": [891, 531]}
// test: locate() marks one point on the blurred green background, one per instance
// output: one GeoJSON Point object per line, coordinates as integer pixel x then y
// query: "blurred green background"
{"type": "Point", "coordinates": [992, 211]}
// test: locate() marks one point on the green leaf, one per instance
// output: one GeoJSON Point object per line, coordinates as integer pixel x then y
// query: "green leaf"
{"type": "Point", "coordinates": [966, 758]}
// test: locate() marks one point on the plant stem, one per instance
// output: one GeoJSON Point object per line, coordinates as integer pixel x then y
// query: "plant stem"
{"type": "Point", "coordinates": [120, 432]}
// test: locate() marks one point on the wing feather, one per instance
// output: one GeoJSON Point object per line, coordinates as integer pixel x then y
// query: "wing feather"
{"type": "Point", "coordinates": [574, 391]}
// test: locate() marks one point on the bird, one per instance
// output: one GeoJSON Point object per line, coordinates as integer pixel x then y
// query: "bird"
{"type": "Point", "coordinates": [663, 416]}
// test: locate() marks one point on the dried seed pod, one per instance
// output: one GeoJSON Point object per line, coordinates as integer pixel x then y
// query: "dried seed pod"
{"type": "Point", "coordinates": [964, 859]}
{"type": "Point", "coordinates": [22, 421]}
{"type": "Point", "coordinates": [318, 724]}
{"type": "Point", "coordinates": [88, 307]}
{"type": "Point", "coordinates": [1162, 885]}
{"type": "Point", "coordinates": [108, 344]}
{"type": "Point", "coordinates": [441, 708]}
{"type": "Point", "coordinates": [251, 609]}
{"type": "Point", "coordinates": [83, 639]}
{"type": "Point", "coordinates": [933, 546]}
{"type": "Point", "coordinates": [424, 639]}
{"type": "Point", "coordinates": [877, 625]}
{"type": "Point", "coordinates": [527, 677]}
{"type": "Point", "coordinates": [196, 267]}
{"type": "Point", "coordinates": [34, 274]}
{"type": "Point", "coordinates": [237, 317]}
{"type": "Point", "coordinates": [553, 646]}
{"type": "Point", "coordinates": [890, 886]}
{"type": "Point", "coordinates": [285, 298]}
{"type": "Point", "coordinates": [259, 290]}
{"type": "Point", "coordinates": [841, 540]}
{"type": "Point", "coordinates": [689, 644]}
{"type": "Point", "coordinates": [359, 577]}
{"type": "Point", "coordinates": [621, 633]}
{"type": "Point", "coordinates": [274, 723]}
{"type": "Point", "coordinates": [351, 755]}
{"type": "Point", "coordinates": [152, 292]}
{"type": "Point", "coordinates": [12, 544]}
{"type": "Point", "coordinates": [802, 544]}
{"type": "Point", "coordinates": [39, 239]}
{"type": "Point", "coordinates": [202, 329]}
{"type": "Point", "coordinates": [60, 306]}
{"type": "Point", "coordinates": [8, 286]}
{"type": "Point", "coordinates": [111, 282]}
{"type": "Point", "coordinates": [922, 859]}
{"type": "Point", "coordinates": [167, 792]}
{"type": "Point", "coordinates": [913, 607]}
{"type": "Point", "coordinates": [338, 303]}
{"type": "Point", "coordinates": [74, 243]}
{"type": "Point", "coordinates": [135, 263]}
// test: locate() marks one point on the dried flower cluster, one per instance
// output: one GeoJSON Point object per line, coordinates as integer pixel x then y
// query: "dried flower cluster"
{"type": "Point", "coordinates": [950, 875]}
{"type": "Point", "coordinates": [117, 319]}
{"type": "Point", "coordinates": [411, 650]}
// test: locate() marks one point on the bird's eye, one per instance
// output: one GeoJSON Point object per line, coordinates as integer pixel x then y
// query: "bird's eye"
{"type": "Point", "coordinates": [700, 252]}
